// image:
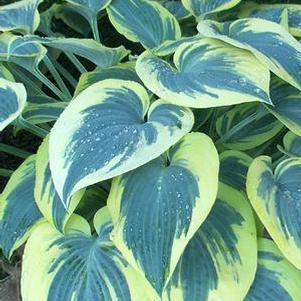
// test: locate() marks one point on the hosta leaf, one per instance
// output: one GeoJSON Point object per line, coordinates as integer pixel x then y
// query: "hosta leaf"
{"type": "Point", "coordinates": [176, 8]}
{"type": "Point", "coordinates": [219, 263]}
{"type": "Point", "coordinates": [46, 196]}
{"type": "Point", "coordinates": [37, 113]}
{"type": "Point", "coordinates": [276, 197]}
{"type": "Point", "coordinates": [144, 21]}
{"type": "Point", "coordinates": [203, 7]}
{"type": "Point", "coordinates": [100, 55]}
{"type": "Point", "coordinates": [124, 71]}
{"type": "Point", "coordinates": [103, 133]}
{"type": "Point", "coordinates": [268, 41]}
{"type": "Point", "coordinates": [23, 51]}
{"type": "Point", "coordinates": [77, 266]}
{"type": "Point", "coordinates": [22, 16]}
{"type": "Point", "coordinates": [247, 126]}
{"type": "Point", "coordinates": [233, 169]}
{"type": "Point", "coordinates": [292, 144]}
{"type": "Point", "coordinates": [276, 278]}
{"type": "Point", "coordinates": [207, 73]}
{"type": "Point", "coordinates": [178, 193]}
{"type": "Point", "coordinates": [276, 13]}
{"type": "Point", "coordinates": [12, 101]}
{"type": "Point", "coordinates": [18, 210]}
{"type": "Point", "coordinates": [286, 104]}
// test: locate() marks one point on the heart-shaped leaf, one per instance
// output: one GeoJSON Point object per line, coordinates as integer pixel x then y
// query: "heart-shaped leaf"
{"type": "Point", "coordinates": [144, 21]}
{"type": "Point", "coordinates": [206, 73]}
{"type": "Point", "coordinates": [77, 266]}
{"type": "Point", "coordinates": [18, 210]}
{"type": "Point", "coordinates": [22, 16]}
{"type": "Point", "coordinates": [276, 278]}
{"type": "Point", "coordinates": [157, 208]}
{"type": "Point", "coordinates": [268, 41]}
{"type": "Point", "coordinates": [219, 263]}
{"type": "Point", "coordinates": [12, 101]}
{"type": "Point", "coordinates": [103, 133]}
{"type": "Point", "coordinates": [275, 195]}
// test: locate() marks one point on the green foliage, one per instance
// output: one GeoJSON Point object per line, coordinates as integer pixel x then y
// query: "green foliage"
{"type": "Point", "coordinates": [169, 165]}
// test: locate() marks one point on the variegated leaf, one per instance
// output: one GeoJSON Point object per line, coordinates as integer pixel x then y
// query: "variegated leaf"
{"type": "Point", "coordinates": [292, 144]}
{"type": "Point", "coordinates": [45, 193]}
{"type": "Point", "coordinates": [125, 71]}
{"type": "Point", "coordinates": [289, 15]}
{"type": "Point", "coordinates": [103, 133]}
{"type": "Point", "coordinates": [22, 16]}
{"type": "Point", "coordinates": [12, 101]}
{"type": "Point", "coordinates": [247, 126]}
{"type": "Point", "coordinates": [206, 73]}
{"type": "Point", "coordinates": [276, 278]}
{"type": "Point", "coordinates": [201, 8]}
{"type": "Point", "coordinates": [157, 208]}
{"type": "Point", "coordinates": [144, 21]}
{"type": "Point", "coordinates": [219, 263]}
{"type": "Point", "coordinates": [275, 194]}
{"type": "Point", "coordinates": [268, 41]}
{"type": "Point", "coordinates": [18, 210]}
{"type": "Point", "coordinates": [286, 104]}
{"type": "Point", "coordinates": [77, 266]}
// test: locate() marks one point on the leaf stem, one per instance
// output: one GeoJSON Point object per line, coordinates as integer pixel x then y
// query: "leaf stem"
{"type": "Point", "coordinates": [34, 129]}
{"type": "Point", "coordinates": [15, 151]}
{"type": "Point", "coordinates": [66, 74]}
{"type": "Point", "coordinates": [50, 85]}
{"type": "Point", "coordinates": [94, 26]}
{"type": "Point", "coordinates": [6, 173]}
{"type": "Point", "coordinates": [76, 62]}
{"type": "Point", "coordinates": [56, 76]}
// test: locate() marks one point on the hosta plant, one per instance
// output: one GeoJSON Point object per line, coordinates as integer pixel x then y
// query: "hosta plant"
{"type": "Point", "coordinates": [159, 153]}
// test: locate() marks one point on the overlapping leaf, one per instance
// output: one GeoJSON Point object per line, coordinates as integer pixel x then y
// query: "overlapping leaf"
{"type": "Point", "coordinates": [22, 16]}
{"type": "Point", "coordinates": [276, 278]}
{"type": "Point", "coordinates": [18, 210]}
{"type": "Point", "coordinates": [46, 196]}
{"type": "Point", "coordinates": [268, 41]}
{"type": "Point", "coordinates": [104, 133]}
{"type": "Point", "coordinates": [206, 73]}
{"type": "Point", "coordinates": [289, 15]}
{"type": "Point", "coordinates": [125, 71]}
{"type": "Point", "coordinates": [275, 194]}
{"type": "Point", "coordinates": [78, 266]}
{"type": "Point", "coordinates": [12, 101]}
{"type": "Point", "coordinates": [246, 126]}
{"type": "Point", "coordinates": [157, 208]}
{"type": "Point", "coordinates": [201, 8]}
{"type": "Point", "coordinates": [144, 21]}
{"type": "Point", "coordinates": [292, 144]}
{"type": "Point", "coordinates": [220, 260]}
{"type": "Point", "coordinates": [286, 104]}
